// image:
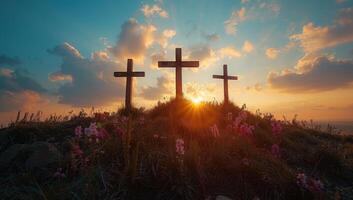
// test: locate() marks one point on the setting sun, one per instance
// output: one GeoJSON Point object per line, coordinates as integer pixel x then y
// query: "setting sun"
{"type": "Point", "coordinates": [196, 100]}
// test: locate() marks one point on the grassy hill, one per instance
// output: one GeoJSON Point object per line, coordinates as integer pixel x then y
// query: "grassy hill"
{"type": "Point", "coordinates": [176, 150]}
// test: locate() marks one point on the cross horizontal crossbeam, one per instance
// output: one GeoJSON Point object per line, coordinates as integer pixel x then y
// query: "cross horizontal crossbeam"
{"type": "Point", "coordinates": [167, 64]}
{"type": "Point", "coordinates": [129, 74]}
{"type": "Point", "coordinates": [228, 77]}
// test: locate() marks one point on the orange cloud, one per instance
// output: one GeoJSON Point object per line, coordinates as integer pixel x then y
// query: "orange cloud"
{"type": "Point", "coordinates": [198, 90]}
{"type": "Point", "coordinates": [204, 53]}
{"type": "Point", "coordinates": [24, 100]}
{"type": "Point", "coordinates": [314, 38]}
{"type": "Point", "coordinates": [248, 47]}
{"type": "Point", "coordinates": [237, 16]}
{"type": "Point", "coordinates": [272, 53]}
{"type": "Point", "coordinates": [314, 74]}
{"type": "Point", "coordinates": [58, 76]}
{"type": "Point", "coordinates": [165, 87]}
{"type": "Point", "coordinates": [230, 52]}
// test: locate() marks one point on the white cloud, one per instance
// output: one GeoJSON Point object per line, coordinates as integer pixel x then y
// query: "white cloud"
{"type": "Point", "coordinates": [211, 37]}
{"type": "Point", "coordinates": [155, 9]}
{"type": "Point", "coordinates": [163, 38]}
{"type": "Point", "coordinates": [248, 47]}
{"type": "Point", "coordinates": [229, 52]}
{"type": "Point", "coordinates": [272, 53]}
{"type": "Point", "coordinates": [236, 17]}
{"type": "Point", "coordinates": [273, 7]}
{"type": "Point", "coordinates": [133, 41]}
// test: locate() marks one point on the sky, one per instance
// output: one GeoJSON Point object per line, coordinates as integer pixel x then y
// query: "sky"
{"type": "Point", "coordinates": [291, 57]}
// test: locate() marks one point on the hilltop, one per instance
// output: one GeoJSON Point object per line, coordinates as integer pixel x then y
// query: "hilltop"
{"type": "Point", "coordinates": [176, 150]}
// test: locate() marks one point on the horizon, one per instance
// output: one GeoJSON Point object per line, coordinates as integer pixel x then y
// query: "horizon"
{"type": "Point", "coordinates": [291, 58]}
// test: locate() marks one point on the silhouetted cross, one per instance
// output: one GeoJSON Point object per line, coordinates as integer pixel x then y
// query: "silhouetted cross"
{"type": "Point", "coordinates": [225, 78]}
{"type": "Point", "coordinates": [178, 64]}
{"type": "Point", "coordinates": [129, 74]}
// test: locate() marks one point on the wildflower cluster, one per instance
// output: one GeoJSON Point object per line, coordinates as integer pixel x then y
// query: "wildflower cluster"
{"type": "Point", "coordinates": [245, 161]}
{"type": "Point", "coordinates": [101, 116]}
{"type": "Point", "coordinates": [276, 127]}
{"type": "Point", "coordinates": [275, 150]}
{"type": "Point", "coordinates": [59, 173]}
{"type": "Point", "coordinates": [179, 146]}
{"type": "Point", "coordinates": [311, 184]}
{"type": "Point", "coordinates": [92, 132]}
{"type": "Point", "coordinates": [214, 130]}
{"type": "Point", "coordinates": [241, 126]}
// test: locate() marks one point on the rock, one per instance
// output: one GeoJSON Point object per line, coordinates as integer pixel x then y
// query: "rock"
{"type": "Point", "coordinates": [36, 155]}
{"type": "Point", "coordinates": [43, 154]}
{"type": "Point", "coordinates": [221, 197]}
{"type": "Point", "coordinates": [4, 140]}
{"type": "Point", "coordinates": [10, 154]}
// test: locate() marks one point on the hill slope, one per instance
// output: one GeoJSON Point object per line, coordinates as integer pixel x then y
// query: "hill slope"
{"type": "Point", "coordinates": [176, 150]}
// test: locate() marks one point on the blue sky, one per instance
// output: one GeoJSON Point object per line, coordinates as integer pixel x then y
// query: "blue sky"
{"type": "Point", "coordinates": [31, 30]}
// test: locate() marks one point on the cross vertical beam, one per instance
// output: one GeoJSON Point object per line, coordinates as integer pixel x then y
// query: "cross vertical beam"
{"type": "Point", "coordinates": [225, 84]}
{"type": "Point", "coordinates": [225, 78]}
{"type": "Point", "coordinates": [178, 74]}
{"type": "Point", "coordinates": [128, 91]}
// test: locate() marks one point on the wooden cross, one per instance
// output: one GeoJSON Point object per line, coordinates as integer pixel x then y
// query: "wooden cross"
{"type": "Point", "coordinates": [129, 74]}
{"type": "Point", "coordinates": [225, 78]}
{"type": "Point", "coordinates": [178, 64]}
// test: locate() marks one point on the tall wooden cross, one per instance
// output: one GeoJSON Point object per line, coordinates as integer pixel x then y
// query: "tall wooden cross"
{"type": "Point", "coordinates": [129, 74]}
{"type": "Point", "coordinates": [178, 64]}
{"type": "Point", "coordinates": [225, 78]}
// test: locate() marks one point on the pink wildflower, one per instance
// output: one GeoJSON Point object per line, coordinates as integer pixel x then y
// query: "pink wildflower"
{"type": "Point", "coordinates": [229, 116]}
{"type": "Point", "coordinates": [245, 162]}
{"type": "Point", "coordinates": [179, 146]}
{"type": "Point", "coordinates": [119, 132]}
{"type": "Point", "coordinates": [275, 150]}
{"type": "Point", "coordinates": [78, 131]}
{"type": "Point", "coordinates": [236, 123]}
{"type": "Point", "coordinates": [311, 184]}
{"type": "Point", "coordinates": [315, 185]}
{"type": "Point", "coordinates": [246, 130]}
{"type": "Point", "coordinates": [101, 116]}
{"type": "Point", "coordinates": [102, 133]}
{"type": "Point", "coordinates": [241, 126]}
{"type": "Point", "coordinates": [302, 180]}
{"type": "Point", "coordinates": [91, 130]}
{"type": "Point", "coordinates": [141, 121]}
{"type": "Point", "coordinates": [214, 130]}
{"type": "Point", "coordinates": [276, 127]}
{"type": "Point", "coordinates": [76, 150]}
{"type": "Point", "coordinates": [59, 173]}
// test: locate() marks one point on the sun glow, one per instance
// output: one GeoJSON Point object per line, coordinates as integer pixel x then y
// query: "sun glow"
{"type": "Point", "coordinates": [196, 100]}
